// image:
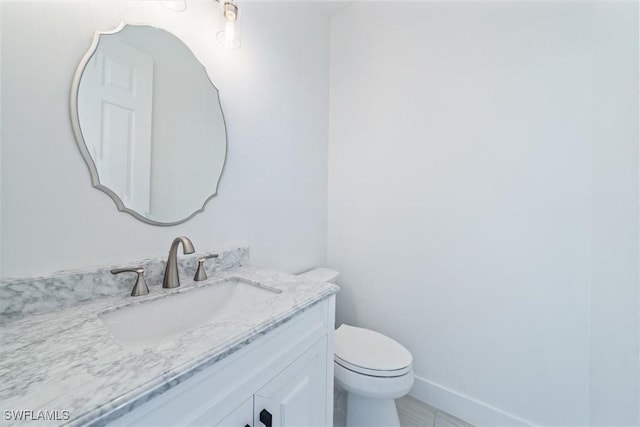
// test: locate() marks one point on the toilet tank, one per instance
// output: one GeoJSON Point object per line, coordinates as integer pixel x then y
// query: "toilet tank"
{"type": "Point", "coordinates": [320, 274]}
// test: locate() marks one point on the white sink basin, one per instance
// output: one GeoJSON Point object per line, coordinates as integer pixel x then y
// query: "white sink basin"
{"type": "Point", "coordinates": [151, 322]}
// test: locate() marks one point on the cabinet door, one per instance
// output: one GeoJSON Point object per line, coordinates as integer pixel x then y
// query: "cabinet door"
{"type": "Point", "coordinates": [242, 416]}
{"type": "Point", "coordinates": [297, 396]}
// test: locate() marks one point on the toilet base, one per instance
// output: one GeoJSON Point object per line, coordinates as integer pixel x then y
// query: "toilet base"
{"type": "Point", "coordinates": [370, 412]}
{"type": "Point", "coordinates": [371, 400]}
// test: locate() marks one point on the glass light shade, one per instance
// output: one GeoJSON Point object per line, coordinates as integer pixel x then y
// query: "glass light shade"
{"type": "Point", "coordinates": [229, 37]}
{"type": "Point", "coordinates": [175, 5]}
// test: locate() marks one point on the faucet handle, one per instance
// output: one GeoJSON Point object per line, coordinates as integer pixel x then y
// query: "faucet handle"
{"type": "Point", "coordinates": [201, 273]}
{"type": "Point", "coordinates": [140, 287]}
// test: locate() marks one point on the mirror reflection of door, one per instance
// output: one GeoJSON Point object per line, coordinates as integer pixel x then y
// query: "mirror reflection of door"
{"type": "Point", "coordinates": [149, 124]}
{"type": "Point", "coordinates": [117, 87]}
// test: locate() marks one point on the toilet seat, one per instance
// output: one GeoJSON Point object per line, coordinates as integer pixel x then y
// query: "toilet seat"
{"type": "Point", "coordinates": [372, 372]}
{"type": "Point", "coordinates": [370, 353]}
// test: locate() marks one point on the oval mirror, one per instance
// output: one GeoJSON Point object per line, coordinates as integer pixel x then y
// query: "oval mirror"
{"type": "Point", "coordinates": [149, 124]}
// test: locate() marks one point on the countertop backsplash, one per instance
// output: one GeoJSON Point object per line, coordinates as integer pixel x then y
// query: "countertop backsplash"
{"type": "Point", "coordinates": [35, 295]}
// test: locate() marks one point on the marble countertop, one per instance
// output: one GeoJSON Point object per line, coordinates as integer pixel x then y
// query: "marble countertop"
{"type": "Point", "coordinates": [66, 360]}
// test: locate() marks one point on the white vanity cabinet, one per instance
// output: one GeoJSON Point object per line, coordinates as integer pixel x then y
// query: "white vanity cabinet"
{"type": "Point", "coordinates": [296, 397]}
{"type": "Point", "coordinates": [284, 378]}
{"type": "Point", "coordinates": [241, 416]}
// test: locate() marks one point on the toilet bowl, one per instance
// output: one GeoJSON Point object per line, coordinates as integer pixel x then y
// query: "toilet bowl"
{"type": "Point", "coordinates": [372, 368]}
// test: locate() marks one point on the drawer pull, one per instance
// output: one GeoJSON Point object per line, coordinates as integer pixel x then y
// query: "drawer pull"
{"type": "Point", "coordinates": [265, 418]}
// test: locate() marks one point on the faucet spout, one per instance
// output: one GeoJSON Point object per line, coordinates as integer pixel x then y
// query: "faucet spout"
{"type": "Point", "coordinates": [171, 278]}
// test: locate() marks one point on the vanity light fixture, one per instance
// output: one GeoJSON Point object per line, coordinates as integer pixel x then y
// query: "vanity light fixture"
{"type": "Point", "coordinates": [229, 37]}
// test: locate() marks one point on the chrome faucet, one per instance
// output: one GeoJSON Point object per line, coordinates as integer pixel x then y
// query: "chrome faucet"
{"type": "Point", "coordinates": [171, 278]}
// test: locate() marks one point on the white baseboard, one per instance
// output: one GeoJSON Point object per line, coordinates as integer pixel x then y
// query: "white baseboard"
{"type": "Point", "coordinates": [464, 407]}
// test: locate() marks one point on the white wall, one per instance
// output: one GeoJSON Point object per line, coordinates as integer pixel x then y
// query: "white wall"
{"type": "Point", "coordinates": [614, 358]}
{"type": "Point", "coordinates": [483, 170]}
{"type": "Point", "coordinates": [272, 195]}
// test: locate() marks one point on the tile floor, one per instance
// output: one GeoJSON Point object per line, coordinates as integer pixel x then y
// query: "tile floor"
{"type": "Point", "coordinates": [414, 413]}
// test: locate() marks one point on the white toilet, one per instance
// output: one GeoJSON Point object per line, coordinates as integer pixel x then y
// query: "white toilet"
{"type": "Point", "coordinates": [373, 369]}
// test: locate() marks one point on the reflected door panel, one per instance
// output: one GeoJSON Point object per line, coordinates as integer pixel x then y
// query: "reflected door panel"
{"type": "Point", "coordinates": [118, 88]}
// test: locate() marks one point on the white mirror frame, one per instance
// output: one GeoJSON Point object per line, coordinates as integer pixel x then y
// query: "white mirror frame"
{"type": "Point", "coordinates": [93, 171]}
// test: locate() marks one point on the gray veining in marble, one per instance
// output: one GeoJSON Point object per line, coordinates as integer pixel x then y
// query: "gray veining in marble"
{"type": "Point", "coordinates": [67, 288]}
{"type": "Point", "coordinates": [67, 360]}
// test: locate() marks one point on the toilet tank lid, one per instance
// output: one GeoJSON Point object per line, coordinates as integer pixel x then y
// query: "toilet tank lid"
{"type": "Point", "coordinates": [320, 274]}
